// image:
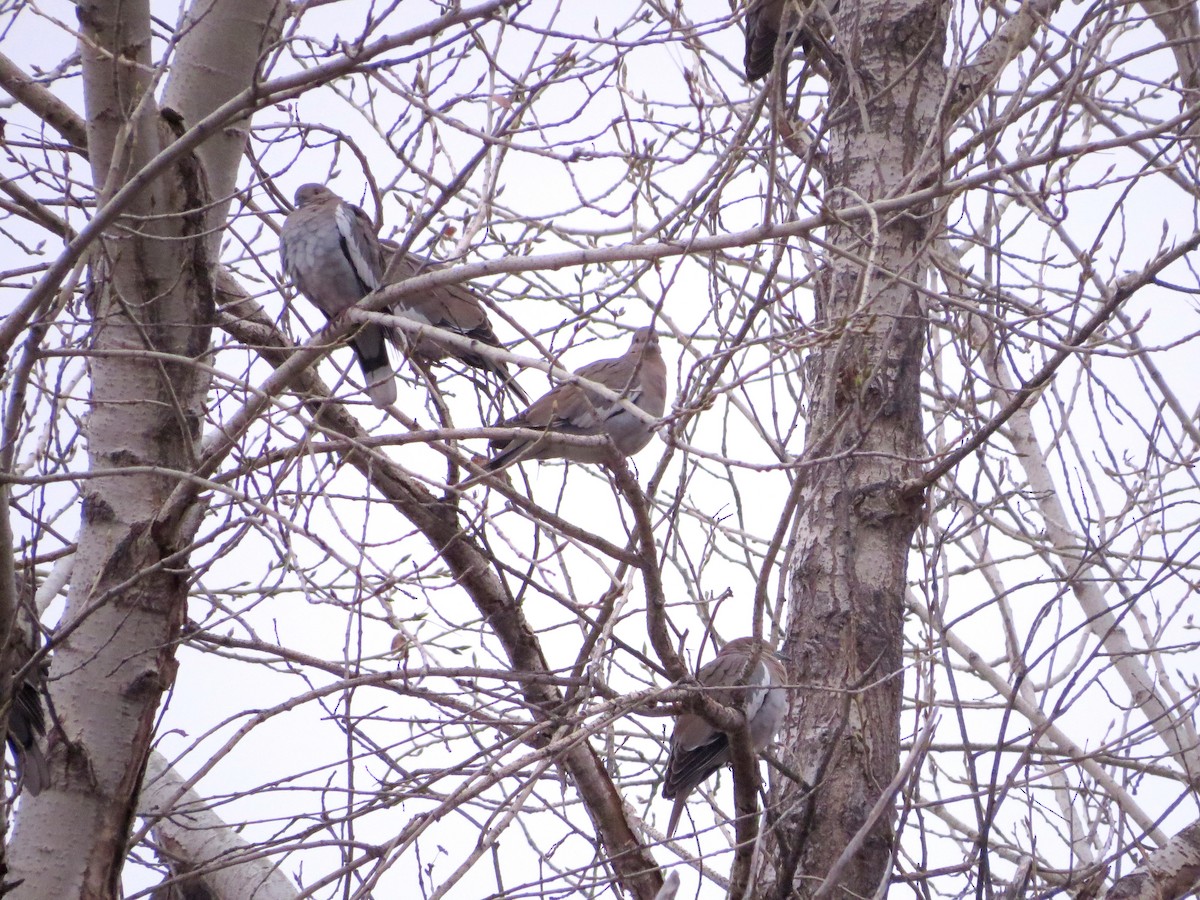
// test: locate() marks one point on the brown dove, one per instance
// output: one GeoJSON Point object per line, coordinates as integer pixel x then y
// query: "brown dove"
{"type": "Point", "coordinates": [640, 377]}
{"type": "Point", "coordinates": [697, 748]}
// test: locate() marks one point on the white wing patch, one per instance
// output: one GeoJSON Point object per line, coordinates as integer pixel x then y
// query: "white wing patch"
{"type": "Point", "coordinates": [350, 233]}
{"type": "Point", "coordinates": [755, 693]}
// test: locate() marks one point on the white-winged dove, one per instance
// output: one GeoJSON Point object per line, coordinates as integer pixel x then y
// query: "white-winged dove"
{"type": "Point", "coordinates": [753, 679]}
{"type": "Point", "coordinates": [453, 307]}
{"type": "Point", "coordinates": [332, 256]}
{"type": "Point", "coordinates": [639, 377]}
{"type": "Point", "coordinates": [766, 21]}
{"type": "Point", "coordinates": [27, 717]}
{"type": "Point", "coordinates": [26, 726]}
{"type": "Point", "coordinates": [763, 19]}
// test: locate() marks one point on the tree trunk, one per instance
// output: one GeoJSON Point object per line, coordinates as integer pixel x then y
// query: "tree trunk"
{"type": "Point", "coordinates": [151, 301]}
{"type": "Point", "coordinates": [847, 583]}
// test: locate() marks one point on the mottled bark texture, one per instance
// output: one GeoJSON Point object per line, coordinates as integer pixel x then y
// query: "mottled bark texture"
{"type": "Point", "coordinates": [151, 302]}
{"type": "Point", "coordinates": [851, 553]}
{"type": "Point", "coordinates": [1173, 871]}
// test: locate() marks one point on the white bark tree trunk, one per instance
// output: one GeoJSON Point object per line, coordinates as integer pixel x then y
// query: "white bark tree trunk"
{"type": "Point", "coordinates": [203, 852]}
{"type": "Point", "coordinates": [151, 299]}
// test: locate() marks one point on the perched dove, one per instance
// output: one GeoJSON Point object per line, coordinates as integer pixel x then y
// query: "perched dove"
{"type": "Point", "coordinates": [453, 307]}
{"type": "Point", "coordinates": [766, 22]}
{"type": "Point", "coordinates": [26, 726]}
{"type": "Point", "coordinates": [763, 19]}
{"type": "Point", "coordinates": [697, 748]}
{"type": "Point", "coordinates": [640, 377]}
{"type": "Point", "coordinates": [332, 255]}
{"type": "Point", "coordinates": [27, 716]}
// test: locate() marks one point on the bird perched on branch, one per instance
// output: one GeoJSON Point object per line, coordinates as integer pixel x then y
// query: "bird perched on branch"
{"type": "Point", "coordinates": [751, 676]}
{"type": "Point", "coordinates": [570, 408]}
{"type": "Point", "coordinates": [453, 307]}
{"type": "Point", "coordinates": [764, 21]}
{"type": "Point", "coordinates": [767, 21]}
{"type": "Point", "coordinates": [26, 727]}
{"type": "Point", "coordinates": [27, 716]}
{"type": "Point", "coordinates": [332, 256]}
